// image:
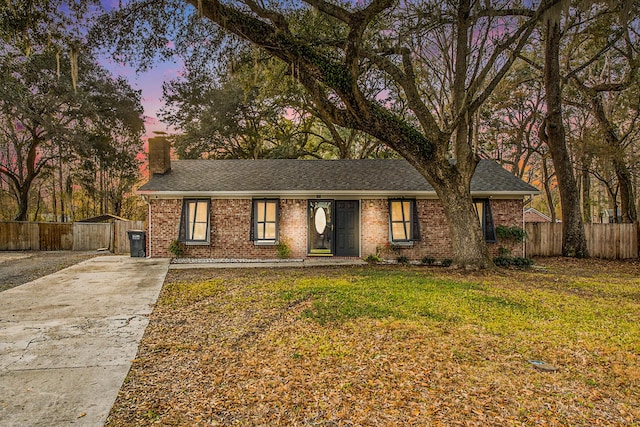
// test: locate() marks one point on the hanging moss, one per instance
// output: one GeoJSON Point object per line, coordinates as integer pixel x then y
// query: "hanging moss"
{"type": "Point", "coordinates": [425, 148]}
{"type": "Point", "coordinates": [73, 57]}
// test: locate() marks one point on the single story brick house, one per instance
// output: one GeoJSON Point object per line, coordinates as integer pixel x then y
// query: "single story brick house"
{"type": "Point", "coordinates": [240, 209]}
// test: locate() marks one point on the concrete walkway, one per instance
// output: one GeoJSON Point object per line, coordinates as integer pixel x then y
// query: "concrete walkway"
{"type": "Point", "coordinates": [67, 340]}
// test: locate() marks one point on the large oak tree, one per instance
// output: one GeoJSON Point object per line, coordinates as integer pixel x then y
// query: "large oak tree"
{"type": "Point", "coordinates": [439, 62]}
{"type": "Point", "coordinates": [41, 111]}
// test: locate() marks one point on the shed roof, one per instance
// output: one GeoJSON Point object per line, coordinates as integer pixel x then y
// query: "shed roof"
{"type": "Point", "coordinates": [285, 176]}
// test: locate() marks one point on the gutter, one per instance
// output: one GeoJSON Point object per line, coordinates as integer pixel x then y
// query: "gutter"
{"type": "Point", "coordinates": [320, 194]}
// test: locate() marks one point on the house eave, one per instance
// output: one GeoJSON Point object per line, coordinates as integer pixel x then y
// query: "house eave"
{"type": "Point", "coordinates": [324, 194]}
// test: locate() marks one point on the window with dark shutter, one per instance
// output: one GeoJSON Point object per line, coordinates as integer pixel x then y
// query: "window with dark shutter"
{"type": "Point", "coordinates": [404, 225]}
{"type": "Point", "coordinates": [415, 222]}
{"type": "Point", "coordinates": [483, 208]}
{"type": "Point", "coordinates": [264, 221]}
{"type": "Point", "coordinates": [194, 221]}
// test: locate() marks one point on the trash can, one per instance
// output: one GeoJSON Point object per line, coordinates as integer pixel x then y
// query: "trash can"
{"type": "Point", "coordinates": [137, 242]}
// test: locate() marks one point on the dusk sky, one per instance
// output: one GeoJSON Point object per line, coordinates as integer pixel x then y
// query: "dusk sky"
{"type": "Point", "coordinates": [149, 82]}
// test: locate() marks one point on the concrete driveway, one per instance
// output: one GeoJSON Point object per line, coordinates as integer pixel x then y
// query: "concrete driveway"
{"type": "Point", "coordinates": [67, 339]}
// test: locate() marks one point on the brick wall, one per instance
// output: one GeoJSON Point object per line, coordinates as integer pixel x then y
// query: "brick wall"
{"type": "Point", "coordinates": [434, 230]}
{"type": "Point", "coordinates": [230, 222]}
{"type": "Point", "coordinates": [229, 230]}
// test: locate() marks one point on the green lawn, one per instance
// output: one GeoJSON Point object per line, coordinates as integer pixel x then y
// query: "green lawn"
{"type": "Point", "coordinates": [391, 346]}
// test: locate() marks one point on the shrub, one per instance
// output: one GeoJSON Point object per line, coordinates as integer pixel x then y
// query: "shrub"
{"type": "Point", "coordinates": [447, 262]}
{"type": "Point", "coordinates": [508, 261]}
{"type": "Point", "coordinates": [515, 233]}
{"type": "Point", "coordinates": [283, 249]}
{"type": "Point", "coordinates": [403, 259]}
{"type": "Point", "coordinates": [427, 260]}
{"type": "Point", "coordinates": [373, 259]}
{"type": "Point", "coordinates": [502, 261]}
{"type": "Point", "coordinates": [176, 248]}
{"type": "Point", "coordinates": [504, 252]}
{"type": "Point", "coordinates": [521, 262]}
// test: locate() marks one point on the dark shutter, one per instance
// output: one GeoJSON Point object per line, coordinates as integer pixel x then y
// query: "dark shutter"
{"type": "Point", "coordinates": [415, 221]}
{"type": "Point", "coordinates": [489, 229]}
{"type": "Point", "coordinates": [182, 231]}
{"type": "Point", "coordinates": [277, 202]}
{"type": "Point", "coordinates": [252, 225]}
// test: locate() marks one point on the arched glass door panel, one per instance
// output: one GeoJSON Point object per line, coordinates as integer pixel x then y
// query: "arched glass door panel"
{"type": "Point", "coordinates": [320, 227]}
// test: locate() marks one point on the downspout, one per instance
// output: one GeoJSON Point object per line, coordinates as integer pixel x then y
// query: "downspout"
{"type": "Point", "coordinates": [146, 200]}
{"type": "Point", "coordinates": [524, 242]}
{"type": "Point", "coordinates": [149, 240]}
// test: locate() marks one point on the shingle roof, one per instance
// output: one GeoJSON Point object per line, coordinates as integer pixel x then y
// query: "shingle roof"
{"type": "Point", "coordinates": [290, 176]}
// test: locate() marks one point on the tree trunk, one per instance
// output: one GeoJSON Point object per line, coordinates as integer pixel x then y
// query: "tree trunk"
{"type": "Point", "coordinates": [547, 191]}
{"type": "Point", "coordinates": [23, 203]}
{"type": "Point", "coordinates": [625, 182]}
{"type": "Point", "coordinates": [470, 251]}
{"type": "Point", "coordinates": [627, 197]}
{"type": "Point", "coordinates": [61, 182]}
{"type": "Point", "coordinates": [574, 242]}
{"type": "Point", "coordinates": [586, 190]}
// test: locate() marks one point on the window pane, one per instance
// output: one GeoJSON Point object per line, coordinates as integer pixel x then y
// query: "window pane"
{"type": "Point", "coordinates": [396, 211]}
{"type": "Point", "coordinates": [398, 231]}
{"type": "Point", "coordinates": [479, 209]}
{"type": "Point", "coordinates": [192, 212]}
{"type": "Point", "coordinates": [260, 231]}
{"type": "Point", "coordinates": [406, 207]}
{"type": "Point", "coordinates": [260, 209]}
{"type": "Point", "coordinates": [270, 232]}
{"type": "Point", "coordinates": [271, 211]}
{"type": "Point", "coordinates": [199, 231]}
{"type": "Point", "coordinates": [201, 212]}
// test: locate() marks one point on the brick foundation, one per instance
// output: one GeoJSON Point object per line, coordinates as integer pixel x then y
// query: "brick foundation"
{"type": "Point", "coordinates": [231, 221]}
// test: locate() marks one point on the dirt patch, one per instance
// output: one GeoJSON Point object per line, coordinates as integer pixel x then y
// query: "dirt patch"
{"type": "Point", "coordinates": [17, 268]}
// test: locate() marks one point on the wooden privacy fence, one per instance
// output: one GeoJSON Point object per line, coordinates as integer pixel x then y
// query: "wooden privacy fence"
{"type": "Point", "coordinates": [613, 241]}
{"type": "Point", "coordinates": [77, 236]}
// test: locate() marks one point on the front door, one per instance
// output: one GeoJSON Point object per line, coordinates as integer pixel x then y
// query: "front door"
{"type": "Point", "coordinates": [320, 227]}
{"type": "Point", "coordinates": [334, 227]}
{"type": "Point", "coordinates": [347, 242]}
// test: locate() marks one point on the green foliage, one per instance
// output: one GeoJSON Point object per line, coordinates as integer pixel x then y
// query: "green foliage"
{"type": "Point", "coordinates": [515, 233]}
{"type": "Point", "coordinates": [373, 259]}
{"type": "Point", "coordinates": [177, 248]}
{"type": "Point", "coordinates": [403, 259]}
{"type": "Point", "coordinates": [93, 130]}
{"type": "Point", "coordinates": [283, 250]}
{"type": "Point", "coordinates": [503, 252]}
{"type": "Point", "coordinates": [427, 260]}
{"type": "Point", "coordinates": [508, 261]}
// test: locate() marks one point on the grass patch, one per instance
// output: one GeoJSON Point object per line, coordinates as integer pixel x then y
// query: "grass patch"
{"type": "Point", "coordinates": [184, 293]}
{"type": "Point", "coordinates": [542, 312]}
{"type": "Point", "coordinates": [382, 345]}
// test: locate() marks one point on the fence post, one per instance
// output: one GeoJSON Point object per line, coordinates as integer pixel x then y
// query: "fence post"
{"type": "Point", "coordinates": [112, 239]}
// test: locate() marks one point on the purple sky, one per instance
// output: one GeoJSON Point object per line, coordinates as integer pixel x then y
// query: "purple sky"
{"type": "Point", "coordinates": [149, 82]}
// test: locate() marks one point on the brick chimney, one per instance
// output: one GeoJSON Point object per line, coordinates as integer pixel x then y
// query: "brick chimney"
{"type": "Point", "coordinates": [159, 151]}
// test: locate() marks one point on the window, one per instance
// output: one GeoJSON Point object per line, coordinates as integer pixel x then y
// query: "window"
{"type": "Point", "coordinates": [194, 221]}
{"type": "Point", "coordinates": [483, 207]}
{"type": "Point", "coordinates": [264, 223]}
{"type": "Point", "coordinates": [403, 221]}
